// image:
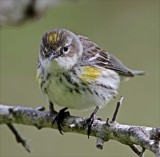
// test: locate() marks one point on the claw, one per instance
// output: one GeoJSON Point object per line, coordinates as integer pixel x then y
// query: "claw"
{"type": "Point", "coordinates": [90, 121]}
{"type": "Point", "coordinates": [59, 118]}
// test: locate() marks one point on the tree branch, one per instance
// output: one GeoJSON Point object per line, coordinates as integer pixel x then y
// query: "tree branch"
{"type": "Point", "coordinates": [146, 137]}
{"type": "Point", "coordinates": [18, 137]}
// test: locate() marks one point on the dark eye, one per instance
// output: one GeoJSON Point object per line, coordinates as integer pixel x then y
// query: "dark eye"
{"type": "Point", "coordinates": [64, 49]}
{"type": "Point", "coordinates": [44, 51]}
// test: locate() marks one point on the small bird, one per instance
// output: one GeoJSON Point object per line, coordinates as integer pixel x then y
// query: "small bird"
{"type": "Point", "coordinates": [74, 72]}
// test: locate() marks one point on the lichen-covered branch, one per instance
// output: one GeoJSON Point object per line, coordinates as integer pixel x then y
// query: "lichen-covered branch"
{"type": "Point", "coordinates": [146, 137]}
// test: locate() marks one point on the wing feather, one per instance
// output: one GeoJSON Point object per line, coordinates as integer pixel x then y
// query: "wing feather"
{"type": "Point", "coordinates": [95, 56]}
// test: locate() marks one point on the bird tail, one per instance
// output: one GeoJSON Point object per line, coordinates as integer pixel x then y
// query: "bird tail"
{"type": "Point", "coordinates": [137, 72]}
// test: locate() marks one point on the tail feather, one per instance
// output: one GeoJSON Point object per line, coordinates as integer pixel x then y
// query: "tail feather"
{"type": "Point", "coordinates": [137, 72]}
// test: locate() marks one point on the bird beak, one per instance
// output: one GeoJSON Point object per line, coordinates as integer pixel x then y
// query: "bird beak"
{"type": "Point", "coordinates": [53, 55]}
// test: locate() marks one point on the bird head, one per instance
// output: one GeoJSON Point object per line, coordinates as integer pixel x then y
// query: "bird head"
{"type": "Point", "coordinates": [60, 49]}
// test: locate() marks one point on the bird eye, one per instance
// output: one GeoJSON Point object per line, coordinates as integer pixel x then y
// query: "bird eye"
{"type": "Point", "coordinates": [45, 50]}
{"type": "Point", "coordinates": [64, 49]}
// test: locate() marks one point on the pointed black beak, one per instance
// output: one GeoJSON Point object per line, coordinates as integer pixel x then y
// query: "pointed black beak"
{"type": "Point", "coordinates": [53, 55]}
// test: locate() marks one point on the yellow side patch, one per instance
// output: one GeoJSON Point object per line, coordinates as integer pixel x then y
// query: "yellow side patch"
{"type": "Point", "coordinates": [52, 37]}
{"type": "Point", "coordinates": [38, 78]}
{"type": "Point", "coordinates": [90, 73]}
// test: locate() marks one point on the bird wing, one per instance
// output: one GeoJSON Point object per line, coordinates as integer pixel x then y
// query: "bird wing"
{"type": "Point", "coordinates": [97, 57]}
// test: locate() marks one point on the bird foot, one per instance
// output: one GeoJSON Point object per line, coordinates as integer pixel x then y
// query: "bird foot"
{"type": "Point", "coordinates": [59, 118]}
{"type": "Point", "coordinates": [90, 121]}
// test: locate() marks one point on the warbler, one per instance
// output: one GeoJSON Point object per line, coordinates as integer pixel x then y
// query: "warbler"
{"type": "Point", "coordinates": [74, 72]}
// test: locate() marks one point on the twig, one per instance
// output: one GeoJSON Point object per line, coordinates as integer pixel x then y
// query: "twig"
{"type": "Point", "coordinates": [19, 139]}
{"type": "Point", "coordinates": [117, 108]}
{"type": "Point", "coordinates": [146, 137]}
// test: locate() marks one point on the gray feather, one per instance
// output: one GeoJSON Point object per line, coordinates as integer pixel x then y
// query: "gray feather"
{"type": "Point", "coordinates": [104, 59]}
{"type": "Point", "coordinates": [137, 72]}
{"type": "Point", "coordinates": [118, 66]}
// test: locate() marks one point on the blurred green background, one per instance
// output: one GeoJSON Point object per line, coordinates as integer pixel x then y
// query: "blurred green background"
{"type": "Point", "coordinates": [127, 28]}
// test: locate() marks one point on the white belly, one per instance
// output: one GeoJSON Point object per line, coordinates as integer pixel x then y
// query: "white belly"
{"type": "Point", "coordinates": [71, 98]}
{"type": "Point", "coordinates": [68, 96]}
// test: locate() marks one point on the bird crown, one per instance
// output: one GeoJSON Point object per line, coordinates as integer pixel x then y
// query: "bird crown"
{"type": "Point", "coordinates": [53, 37]}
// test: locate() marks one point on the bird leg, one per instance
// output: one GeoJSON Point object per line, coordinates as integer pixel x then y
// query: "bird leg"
{"type": "Point", "coordinates": [51, 108]}
{"type": "Point", "coordinates": [90, 120]}
{"type": "Point", "coordinates": [59, 117]}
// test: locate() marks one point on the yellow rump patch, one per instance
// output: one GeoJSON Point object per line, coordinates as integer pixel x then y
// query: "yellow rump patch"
{"type": "Point", "coordinates": [91, 73]}
{"type": "Point", "coordinates": [52, 37]}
